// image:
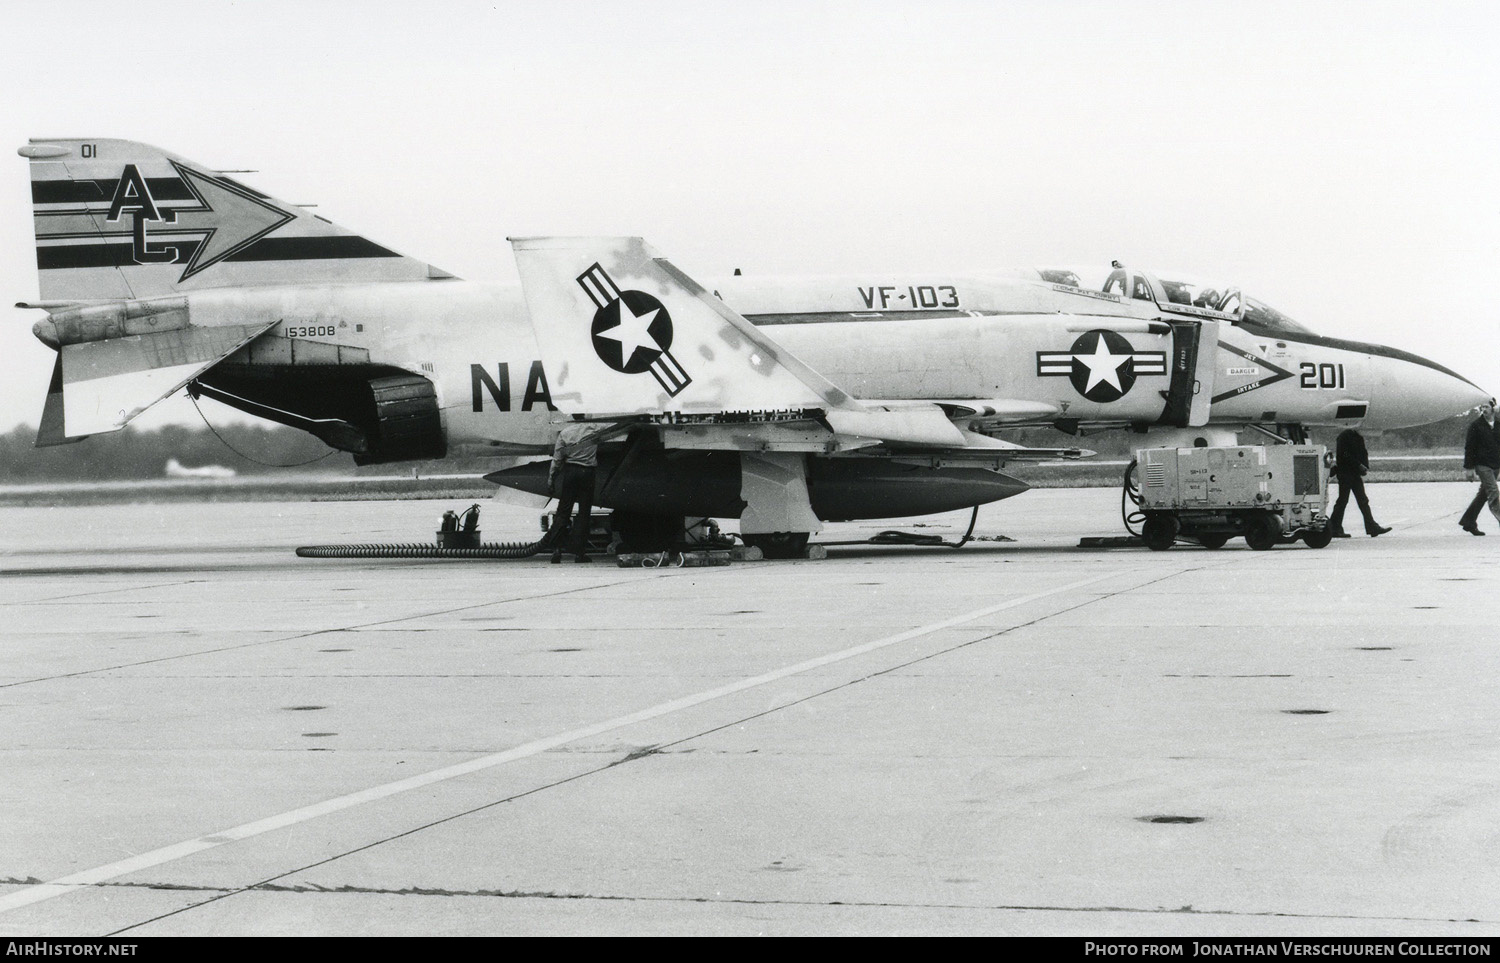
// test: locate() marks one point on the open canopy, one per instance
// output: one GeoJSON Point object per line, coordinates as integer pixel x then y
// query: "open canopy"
{"type": "Point", "coordinates": [1175, 292]}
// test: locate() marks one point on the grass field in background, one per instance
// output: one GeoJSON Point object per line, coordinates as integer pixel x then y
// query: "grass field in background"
{"type": "Point", "coordinates": [1087, 473]}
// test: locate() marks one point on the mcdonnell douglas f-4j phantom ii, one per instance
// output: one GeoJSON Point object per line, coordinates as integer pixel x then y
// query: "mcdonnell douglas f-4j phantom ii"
{"type": "Point", "coordinates": [785, 403]}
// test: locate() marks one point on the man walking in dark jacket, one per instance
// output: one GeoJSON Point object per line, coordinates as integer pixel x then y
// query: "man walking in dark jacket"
{"type": "Point", "coordinates": [1482, 458]}
{"type": "Point", "coordinates": [1351, 462]}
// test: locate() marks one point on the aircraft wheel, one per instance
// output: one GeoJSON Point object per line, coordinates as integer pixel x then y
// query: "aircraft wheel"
{"type": "Point", "coordinates": [1317, 538]}
{"type": "Point", "coordinates": [640, 532]}
{"type": "Point", "coordinates": [1160, 531]}
{"type": "Point", "coordinates": [1215, 540]}
{"type": "Point", "coordinates": [779, 544]}
{"type": "Point", "coordinates": [1262, 531]}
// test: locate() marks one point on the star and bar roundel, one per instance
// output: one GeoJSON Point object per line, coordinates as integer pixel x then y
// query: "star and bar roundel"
{"type": "Point", "coordinates": [632, 331]}
{"type": "Point", "coordinates": [1101, 364]}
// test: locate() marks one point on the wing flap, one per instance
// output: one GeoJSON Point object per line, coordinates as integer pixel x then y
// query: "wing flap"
{"type": "Point", "coordinates": [107, 383]}
{"type": "Point", "coordinates": [925, 426]}
{"type": "Point", "coordinates": [997, 411]}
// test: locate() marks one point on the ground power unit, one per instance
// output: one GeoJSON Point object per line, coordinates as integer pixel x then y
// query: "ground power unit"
{"type": "Point", "coordinates": [1268, 493]}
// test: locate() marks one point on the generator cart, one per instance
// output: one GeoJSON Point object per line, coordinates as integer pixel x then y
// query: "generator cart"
{"type": "Point", "coordinates": [1267, 493]}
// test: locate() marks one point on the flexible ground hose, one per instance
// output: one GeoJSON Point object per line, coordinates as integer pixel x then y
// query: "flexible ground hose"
{"type": "Point", "coordinates": [419, 550]}
{"type": "Point", "coordinates": [1131, 492]}
{"type": "Point", "coordinates": [912, 538]}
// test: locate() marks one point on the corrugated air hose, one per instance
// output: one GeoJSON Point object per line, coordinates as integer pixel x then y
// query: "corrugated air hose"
{"type": "Point", "coordinates": [419, 550]}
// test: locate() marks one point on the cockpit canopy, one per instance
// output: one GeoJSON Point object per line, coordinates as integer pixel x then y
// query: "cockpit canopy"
{"type": "Point", "coordinates": [1176, 293]}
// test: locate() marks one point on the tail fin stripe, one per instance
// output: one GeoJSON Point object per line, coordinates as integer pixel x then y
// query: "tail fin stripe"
{"type": "Point", "coordinates": [600, 287]}
{"type": "Point", "coordinates": [311, 249]}
{"type": "Point", "coordinates": [58, 224]}
{"type": "Point", "coordinates": [669, 374]}
{"type": "Point", "coordinates": [62, 256]}
{"type": "Point", "coordinates": [84, 192]}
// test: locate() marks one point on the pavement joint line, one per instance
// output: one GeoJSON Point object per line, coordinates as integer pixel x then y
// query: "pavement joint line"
{"type": "Point", "coordinates": [434, 891]}
{"type": "Point", "coordinates": [270, 883]}
{"type": "Point", "coordinates": [308, 635]}
{"type": "Point", "coordinates": [887, 670]}
{"type": "Point", "coordinates": [313, 888]}
{"type": "Point", "coordinates": [166, 854]}
{"type": "Point", "coordinates": [111, 591]}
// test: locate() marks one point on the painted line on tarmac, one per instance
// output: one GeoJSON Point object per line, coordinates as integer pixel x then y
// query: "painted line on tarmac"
{"type": "Point", "coordinates": [72, 883]}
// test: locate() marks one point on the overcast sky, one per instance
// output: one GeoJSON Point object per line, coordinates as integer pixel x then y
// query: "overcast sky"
{"type": "Point", "coordinates": [1338, 161]}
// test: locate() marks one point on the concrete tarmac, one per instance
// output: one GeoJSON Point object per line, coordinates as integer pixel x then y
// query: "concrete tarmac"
{"type": "Point", "coordinates": [203, 734]}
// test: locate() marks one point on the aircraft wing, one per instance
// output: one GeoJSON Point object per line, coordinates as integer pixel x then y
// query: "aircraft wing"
{"type": "Point", "coordinates": [99, 386]}
{"type": "Point", "coordinates": [622, 330]}
{"type": "Point", "coordinates": [625, 335]}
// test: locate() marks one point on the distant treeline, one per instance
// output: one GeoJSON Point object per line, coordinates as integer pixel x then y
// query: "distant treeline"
{"type": "Point", "coordinates": [130, 454]}
{"type": "Point", "coordinates": [1443, 437]}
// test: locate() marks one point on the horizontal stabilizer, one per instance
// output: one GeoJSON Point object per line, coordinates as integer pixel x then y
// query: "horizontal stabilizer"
{"type": "Point", "coordinates": [107, 383]}
{"type": "Point", "coordinates": [623, 331]}
{"type": "Point", "coordinates": [50, 433]}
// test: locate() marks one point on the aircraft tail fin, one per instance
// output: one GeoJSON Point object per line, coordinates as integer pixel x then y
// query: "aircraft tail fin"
{"type": "Point", "coordinates": [116, 219]}
{"type": "Point", "coordinates": [623, 331]}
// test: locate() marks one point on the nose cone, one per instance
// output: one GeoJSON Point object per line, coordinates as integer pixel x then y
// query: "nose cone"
{"type": "Point", "coordinates": [46, 332]}
{"type": "Point", "coordinates": [1412, 391]}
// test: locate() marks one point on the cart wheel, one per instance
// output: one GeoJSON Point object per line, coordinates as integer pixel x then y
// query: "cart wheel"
{"type": "Point", "coordinates": [1160, 531]}
{"type": "Point", "coordinates": [1262, 531]}
{"type": "Point", "coordinates": [1317, 538]}
{"type": "Point", "coordinates": [1215, 540]}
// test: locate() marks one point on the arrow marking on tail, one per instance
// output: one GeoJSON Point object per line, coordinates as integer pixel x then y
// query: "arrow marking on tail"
{"type": "Point", "coordinates": [227, 216]}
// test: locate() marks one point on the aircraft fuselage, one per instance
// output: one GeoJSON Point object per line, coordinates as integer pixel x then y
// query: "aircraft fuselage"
{"type": "Point", "coordinates": [1082, 360]}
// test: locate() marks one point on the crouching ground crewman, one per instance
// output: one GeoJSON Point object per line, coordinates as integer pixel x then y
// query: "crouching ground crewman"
{"type": "Point", "coordinates": [571, 481]}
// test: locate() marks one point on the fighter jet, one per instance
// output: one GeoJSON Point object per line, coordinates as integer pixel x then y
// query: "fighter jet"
{"type": "Point", "coordinates": [783, 402]}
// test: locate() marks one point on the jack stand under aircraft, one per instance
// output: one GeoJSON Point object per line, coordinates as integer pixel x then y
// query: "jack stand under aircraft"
{"type": "Point", "coordinates": [696, 542]}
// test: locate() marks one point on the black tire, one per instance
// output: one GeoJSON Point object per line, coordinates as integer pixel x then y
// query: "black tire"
{"type": "Point", "coordinates": [1213, 540]}
{"type": "Point", "coordinates": [640, 532]}
{"type": "Point", "coordinates": [779, 544]}
{"type": "Point", "coordinates": [1159, 531]}
{"type": "Point", "coordinates": [1317, 538]}
{"type": "Point", "coordinates": [1262, 531]}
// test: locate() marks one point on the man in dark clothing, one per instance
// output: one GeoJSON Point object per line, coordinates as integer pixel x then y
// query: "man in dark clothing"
{"type": "Point", "coordinates": [571, 479]}
{"type": "Point", "coordinates": [1482, 458]}
{"type": "Point", "coordinates": [1351, 461]}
